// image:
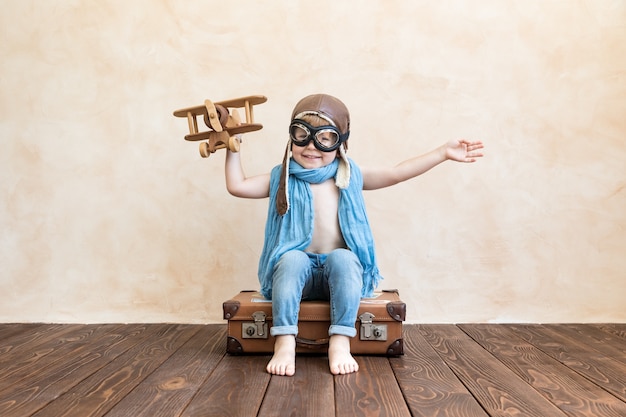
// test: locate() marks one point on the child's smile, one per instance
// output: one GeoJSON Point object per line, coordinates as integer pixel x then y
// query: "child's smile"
{"type": "Point", "coordinates": [309, 157]}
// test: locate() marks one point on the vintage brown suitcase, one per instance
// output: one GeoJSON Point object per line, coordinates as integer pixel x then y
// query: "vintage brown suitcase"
{"type": "Point", "coordinates": [379, 325]}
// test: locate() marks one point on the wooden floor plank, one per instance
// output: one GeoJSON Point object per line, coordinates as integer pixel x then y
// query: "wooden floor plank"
{"type": "Point", "coordinates": [9, 330]}
{"type": "Point", "coordinates": [372, 391]}
{"type": "Point", "coordinates": [618, 329]}
{"type": "Point", "coordinates": [41, 361]}
{"type": "Point", "coordinates": [235, 388]}
{"type": "Point", "coordinates": [100, 392]}
{"type": "Point", "coordinates": [46, 384]}
{"type": "Point", "coordinates": [30, 341]}
{"type": "Point", "coordinates": [496, 387]}
{"type": "Point", "coordinates": [430, 388]}
{"type": "Point", "coordinates": [573, 394]}
{"type": "Point", "coordinates": [309, 393]}
{"type": "Point", "coordinates": [608, 373]}
{"type": "Point", "coordinates": [610, 346]}
{"type": "Point", "coordinates": [169, 389]}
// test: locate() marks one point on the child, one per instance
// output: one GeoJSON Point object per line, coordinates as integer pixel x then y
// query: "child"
{"type": "Point", "coordinates": [318, 242]}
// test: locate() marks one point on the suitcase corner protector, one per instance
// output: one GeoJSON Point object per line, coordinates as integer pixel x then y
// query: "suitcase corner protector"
{"type": "Point", "coordinates": [230, 308]}
{"type": "Point", "coordinates": [396, 348]}
{"type": "Point", "coordinates": [397, 310]}
{"type": "Point", "coordinates": [233, 346]}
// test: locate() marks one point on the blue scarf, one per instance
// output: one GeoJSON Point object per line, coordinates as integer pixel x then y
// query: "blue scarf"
{"type": "Point", "coordinates": [294, 230]}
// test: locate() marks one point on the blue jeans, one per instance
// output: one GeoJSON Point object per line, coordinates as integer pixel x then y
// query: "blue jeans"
{"type": "Point", "coordinates": [299, 276]}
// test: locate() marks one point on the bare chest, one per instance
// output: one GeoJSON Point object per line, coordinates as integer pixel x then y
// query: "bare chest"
{"type": "Point", "coordinates": [325, 200]}
{"type": "Point", "coordinates": [326, 231]}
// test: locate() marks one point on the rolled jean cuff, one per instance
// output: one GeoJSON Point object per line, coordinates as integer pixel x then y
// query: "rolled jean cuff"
{"type": "Point", "coordinates": [341, 330]}
{"type": "Point", "coordinates": [284, 330]}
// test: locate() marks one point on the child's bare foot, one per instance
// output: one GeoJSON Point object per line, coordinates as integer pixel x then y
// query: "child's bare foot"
{"type": "Point", "coordinates": [284, 360]}
{"type": "Point", "coordinates": [339, 357]}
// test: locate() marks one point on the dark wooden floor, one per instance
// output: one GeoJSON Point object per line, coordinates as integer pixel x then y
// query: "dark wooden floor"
{"type": "Point", "coordinates": [182, 370]}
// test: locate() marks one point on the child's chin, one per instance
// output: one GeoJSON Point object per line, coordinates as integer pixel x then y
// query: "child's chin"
{"type": "Point", "coordinates": [311, 163]}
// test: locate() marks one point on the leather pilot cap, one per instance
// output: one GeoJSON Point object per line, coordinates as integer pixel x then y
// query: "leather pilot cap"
{"type": "Point", "coordinates": [325, 105]}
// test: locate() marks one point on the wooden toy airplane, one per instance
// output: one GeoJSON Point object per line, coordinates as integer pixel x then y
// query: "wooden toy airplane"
{"type": "Point", "coordinates": [223, 121]}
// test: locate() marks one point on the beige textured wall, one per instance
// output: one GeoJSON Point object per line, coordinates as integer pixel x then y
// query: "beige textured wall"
{"type": "Point", "coordinates": [108, 215]}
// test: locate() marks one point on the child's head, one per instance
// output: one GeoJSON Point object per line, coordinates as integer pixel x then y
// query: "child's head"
{"type": "Point", "coordinates": [320, 110]}
{"type": "Point", "coordinates": [325, 121]}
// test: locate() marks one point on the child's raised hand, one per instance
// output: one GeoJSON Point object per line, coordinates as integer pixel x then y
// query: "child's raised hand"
{"type": "Point", "coordinates": [462, 150]}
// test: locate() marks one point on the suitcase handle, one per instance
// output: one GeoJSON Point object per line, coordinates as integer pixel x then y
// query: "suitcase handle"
{"type": "Point", "coordinates": [311, 344]}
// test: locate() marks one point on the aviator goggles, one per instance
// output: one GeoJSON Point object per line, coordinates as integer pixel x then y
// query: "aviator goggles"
{"type": "Point", "coordinates": [325, 138]}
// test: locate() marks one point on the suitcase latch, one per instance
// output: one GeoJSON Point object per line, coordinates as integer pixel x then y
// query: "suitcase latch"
{"type": "Point", "coordinates": [371, 331]}
{"type": "Point", "coordinates": [256, 330]}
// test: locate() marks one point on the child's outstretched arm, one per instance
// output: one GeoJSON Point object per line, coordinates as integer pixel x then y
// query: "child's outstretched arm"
{"type": "Point", "coordinates": [239, 185]}
{"type": "Point", "coordinates": [459, 150]}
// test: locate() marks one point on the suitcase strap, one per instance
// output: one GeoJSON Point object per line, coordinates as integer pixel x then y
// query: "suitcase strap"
{"type": "Point", "coordinates": [312, 344]}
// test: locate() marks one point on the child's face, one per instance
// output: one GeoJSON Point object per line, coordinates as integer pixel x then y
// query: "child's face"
{"type": "Point", "coordinates": [310, 157]}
